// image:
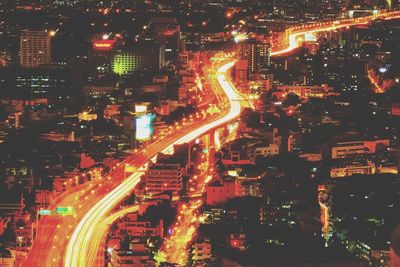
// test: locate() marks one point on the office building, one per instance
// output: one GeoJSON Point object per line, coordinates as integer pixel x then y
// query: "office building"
{"type": "Point", "coordinates": [168, 34]}
{"type": "Point", "coordinates": [143, 57]}
{"type": "Point", "coordinates": [51, 81]}
{"type": "Point", "coordinates": [35, 48]}
{"type": "Point", "coordinates": [257, 54]}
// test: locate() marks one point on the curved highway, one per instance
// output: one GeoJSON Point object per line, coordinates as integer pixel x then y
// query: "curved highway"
{"type": "Point", "coordinates": [78, 251]}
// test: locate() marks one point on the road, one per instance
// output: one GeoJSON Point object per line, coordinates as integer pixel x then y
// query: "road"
{"type": "Point", "coordinates": [54, 232]}
{"type": "Point", "coordinates": [296, 34]}
{"type": "Point", "coordinates": [78, 252]}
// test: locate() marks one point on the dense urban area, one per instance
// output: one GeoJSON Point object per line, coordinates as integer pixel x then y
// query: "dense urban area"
{"type": "Point", "coordinates": [138, 133]}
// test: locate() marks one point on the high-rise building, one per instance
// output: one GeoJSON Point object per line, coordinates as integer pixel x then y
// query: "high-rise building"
{"type": "Point", "coordinates": [241, 71]}
{"type": "Point", "coordinates": [168, 33]}
{"type": "Point", "coordinates": [143, 57]}
{"type": "Point", "coordinates": [52, 81]}
{"type": "Point", "coordinates": [257, 54]}
{"type": "Point", "coordinates": [101, 53]}
{"type": "Point", "coordinates": [35, 48]}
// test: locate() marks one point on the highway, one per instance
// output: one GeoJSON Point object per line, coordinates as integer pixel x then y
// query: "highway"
{"type": "Point", "coordinates": [296, 36]}
{"type": "Point", "coordinates": [54, 231]}
{"type": "Point", "coordinates": [78, 252]}
{"type": "Point", "coordinates": [96, 200]}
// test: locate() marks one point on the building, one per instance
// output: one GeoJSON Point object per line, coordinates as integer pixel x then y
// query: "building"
{"type": "Point", "coordinates": [241, 71]}
{"type": "Point", "coordinates": [101, 53]}
{"type": "Point", "coordinates": [133, 227]}
{"type": "Point", "coordinates": [131, 258]}
{"type": "Point", "coordinates": [7, 257]}
{"type": "Point", "coordinates": [98, 90]}
{"type": "Point", "coordinates": [219, 192]}
{"type": "Point", "coordinates": [238, 241]}
{"type": "Point", "coordinates": [143, 57]}
{"type": "Point", "coordinates": [256, 53]}
{"type": "Point", "coordinates": [246, 151]}
{"type": "Point", "coordinates": [201, 251]}
{"type": "Point", "coordinates": [303, 91]}
{"type": "Point", "coordinates": [59, 136]}
{"type": "Point", "coordinates": [87, 116]}
{"type": "Point", "coordinates": [23, 231]}
{"type": "Point", "coordinates": [395, 109]}
{"type": "Point", "coordinates": [357, 148]}
{"type": "Point", "coordinates": [168, 34]}
{"type": "Point", "coordinates": [35, 48]}
{"type": "Point", "coordinates": [162, 177]}
{"type": "Point", "coordinates": [367, 168]}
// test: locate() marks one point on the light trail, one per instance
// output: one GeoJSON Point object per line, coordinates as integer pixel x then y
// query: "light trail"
{"type": "Point", "coordinates": [175, 248]}
{"type": "Point", "coordinates": [294, 38]}
{"type": "Point", "coordinates": [78, 252]}
{"type": "Point", "coordinates": [99, 240]}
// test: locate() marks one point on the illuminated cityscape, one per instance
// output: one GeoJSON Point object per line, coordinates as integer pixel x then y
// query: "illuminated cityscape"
{"type": "Point", "coordinates": [199, 133]}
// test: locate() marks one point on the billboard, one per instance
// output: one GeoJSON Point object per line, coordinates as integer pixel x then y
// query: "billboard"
{"type": "Point", "coordinates": [141, 107]}
{"type": "Point", "coordinates": [103, 45]}
{"type": "Point", "coordinates": [144, 127]}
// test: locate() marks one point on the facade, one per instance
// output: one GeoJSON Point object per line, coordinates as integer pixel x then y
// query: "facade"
{"type": "Point", "coordinates": [303, 91]}
{"type": "Point", "coordinates": [220, 192]}
{"type": "Point", "coordinates": [58, 136]}
{"type": "Point", "coordinates": [134, 228]}
{"type": "Point", "coordinates": [130, 258]}
{"type": "Point", "coordinates": [354, 148]}
{"type": "Point", "coordinates": [354, 168]}
{"type": "Point", "coordinates": [140, 58]}
{"type": "Point", "coordinates": [164, 177]}
{"type": "Point", "coordinates": [101, 53]}
{"type": "Point", "coordinates": [169, 34]}
{"type": "Point", "coordinates": [241, 71]}
{"type": "Point", "coordinates": [49, 81]}
{"type": "Point", "coordinates": [246, 151]}
{"type": "Point", "coordinates": [201, 251]}
{"type": "Point", "coordinates": [257, 54]}
{"type": "Point", "coordinates": [7, 258]}
{"type": "Point", "coordinates": [35, 48]}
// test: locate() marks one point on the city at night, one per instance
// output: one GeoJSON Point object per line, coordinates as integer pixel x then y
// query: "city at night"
{"type": "Point", "coordinates": [199, 133]}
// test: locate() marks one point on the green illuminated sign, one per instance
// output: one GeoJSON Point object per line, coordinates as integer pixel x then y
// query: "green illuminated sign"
{"type": "Point", "coordinates": [65, 211]}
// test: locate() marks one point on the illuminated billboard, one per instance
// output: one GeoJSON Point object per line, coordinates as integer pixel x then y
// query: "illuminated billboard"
{"type": "Point", "coordinates": [144, 127]}
{"type": "Point", "coordinates": [141, 107]}
{"type": "Point", "coordinates": [103, 45]}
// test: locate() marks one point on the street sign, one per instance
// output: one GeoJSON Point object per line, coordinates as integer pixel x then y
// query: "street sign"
{"type": "Point", "coordinates": [65, 211]}
{"type": "Point", "coordinates": [45, 212]}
